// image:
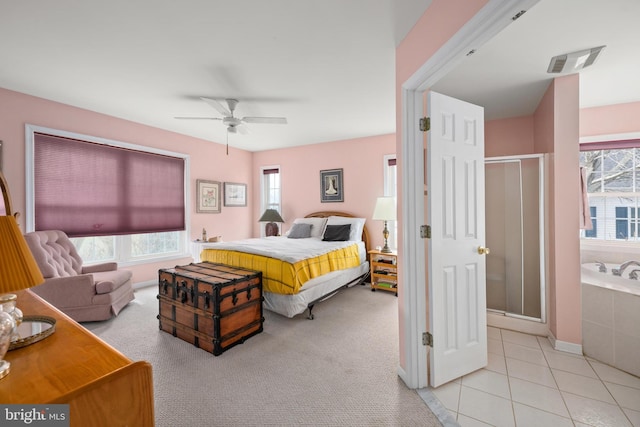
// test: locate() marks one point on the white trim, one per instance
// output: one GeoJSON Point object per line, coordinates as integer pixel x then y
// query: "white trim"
{"type": "Point", "coordinates": [567, 347]}
{"type": "Point", "coordinates": [609, 137]}
{"type": "Point", "coordinates": [30, 173]}
{"type": "Point", "coordinates": [489, 21]}
{"type": "Point", "coordinates": [263, 198]}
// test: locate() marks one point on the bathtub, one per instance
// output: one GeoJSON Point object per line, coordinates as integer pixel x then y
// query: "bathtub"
{"type": "Point", "coordinates": [610, 317]}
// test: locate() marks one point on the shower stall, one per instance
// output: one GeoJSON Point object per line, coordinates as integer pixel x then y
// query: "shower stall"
{"type": "Point", "coordinates": [515, 233]}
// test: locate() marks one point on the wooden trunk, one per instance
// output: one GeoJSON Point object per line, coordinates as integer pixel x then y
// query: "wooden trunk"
{"type": "Point", "coordinates": [212, 306]}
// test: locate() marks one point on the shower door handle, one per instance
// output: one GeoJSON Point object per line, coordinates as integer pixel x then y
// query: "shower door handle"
{"type": "Point", "coordinates": [483, 251]}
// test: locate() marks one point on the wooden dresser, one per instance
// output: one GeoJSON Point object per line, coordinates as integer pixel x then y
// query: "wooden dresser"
{"type": "Point", "coordinates": [73, 366]}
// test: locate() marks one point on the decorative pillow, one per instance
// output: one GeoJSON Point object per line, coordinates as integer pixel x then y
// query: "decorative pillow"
{"type": "Point", "coordinates": [299, 231]}
{"type": "Point", "coordinates": [357, 225]}
{"type": "Point", "coordinates": [317, 225]}
{"type": "Point", "coordinates": [337, 233]}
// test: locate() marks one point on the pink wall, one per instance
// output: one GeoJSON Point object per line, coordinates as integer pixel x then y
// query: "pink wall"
{"type": "Point", "coordinates": [610, 119]}
{"type": "Point", "coordinates": [507, 137]}
{"type": "Point", "coordinates": [556, 132]}
{"type": "Point", "coordinates": [441, 20]}
{"type": "Point", "coordinates": [208, 159]}
{"type": "Point", "coordinates": [362, 163]}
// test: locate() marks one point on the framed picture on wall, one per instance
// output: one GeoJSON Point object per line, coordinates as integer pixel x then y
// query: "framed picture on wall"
{"type": "Point", "coordinates": [208, 196]}
{"type": "Point", "coordinates": [331, 186]}
{"type": "Point", "coordinates": [235, 194]}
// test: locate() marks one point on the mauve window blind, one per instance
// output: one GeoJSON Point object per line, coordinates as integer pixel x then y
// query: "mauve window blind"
{"type": "Point", "coordinates": [89, 189]}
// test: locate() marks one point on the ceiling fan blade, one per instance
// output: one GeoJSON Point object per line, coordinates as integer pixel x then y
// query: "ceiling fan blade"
{"type": "Point", "coordinates": [198, 118]}
{"type": "Point", "coordinates": [266, 120]}
{"type": "Point", "coordinates": [217, 105]}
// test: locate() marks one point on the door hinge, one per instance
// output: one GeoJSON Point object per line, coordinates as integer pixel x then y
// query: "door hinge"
{"type": "Point", "coordinates": [425, 124]}
{"type": "Point", "coordinates": [425, 231]}
{"type": "Point", "coordinates": [427, 339]}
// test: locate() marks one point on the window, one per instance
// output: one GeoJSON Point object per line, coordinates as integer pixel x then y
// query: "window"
{"type": "Point", "coordinates": [117, 201]}
{"type": "Point", "coordinates": [613, 186]}
{"type": "Point", "coordinates": [271, 191]}
{"type": "Point", "coordinates": [594, 221]}
{"type": "Point", "coordinates": [390, 190]}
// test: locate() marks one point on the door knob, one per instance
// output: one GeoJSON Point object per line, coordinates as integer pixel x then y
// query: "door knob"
{"type": "Point", "coordinates": [483, 251]}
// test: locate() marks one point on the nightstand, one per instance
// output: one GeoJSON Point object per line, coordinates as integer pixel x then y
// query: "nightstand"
{"type": "Point", "coordinates": [384, 271]}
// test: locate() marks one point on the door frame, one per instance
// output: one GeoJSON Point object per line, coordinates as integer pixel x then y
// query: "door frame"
{"type": "Point", "coordinates": [489, 21]}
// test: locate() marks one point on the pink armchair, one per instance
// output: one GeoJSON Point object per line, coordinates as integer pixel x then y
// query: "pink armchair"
{"type": "Point", "coordinates": [84, 293]}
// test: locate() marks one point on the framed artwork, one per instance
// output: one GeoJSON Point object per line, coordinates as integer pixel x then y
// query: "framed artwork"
{"type": "Point", "coordinates": [331, 186]}
{"type": "Point", "coordinates": [208, 196]}
{"type": "Point", "coordinates": [235, 194]}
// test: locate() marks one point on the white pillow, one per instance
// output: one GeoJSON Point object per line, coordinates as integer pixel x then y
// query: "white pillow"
{"type": "Point", "coordinates": [357, 225]}
{"type": "Point", "coordinates": [317, 225]}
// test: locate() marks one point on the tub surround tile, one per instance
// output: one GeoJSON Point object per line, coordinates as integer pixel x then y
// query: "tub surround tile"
{"type": "Point", "coordinates": [626, 350]}
{"type": "Point", "coordinates": [626, 316]}
{"type": "Point", "coordinates": [597, 305]}
{"type": "Point", "coordinates": [597, 342]}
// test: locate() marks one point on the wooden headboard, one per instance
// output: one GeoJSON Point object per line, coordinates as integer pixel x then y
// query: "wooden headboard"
{"type": "Point", "coordinates": [326, 214]}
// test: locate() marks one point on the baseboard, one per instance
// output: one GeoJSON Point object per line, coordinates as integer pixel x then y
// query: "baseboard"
{"type": "Point", "coordinates": [567, 347]}
{"type": "Point", "coordinates": [403, 376]}
{"type": "Point", "coordinates": [146, 284]}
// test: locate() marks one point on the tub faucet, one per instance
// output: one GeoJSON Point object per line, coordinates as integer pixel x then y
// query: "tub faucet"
{"type": "Point", "coordinates": [602, 268]}
{"type": "Point", "coordinates": [634, 274]}
{"type": "Point", "coordinates": [618, 271]}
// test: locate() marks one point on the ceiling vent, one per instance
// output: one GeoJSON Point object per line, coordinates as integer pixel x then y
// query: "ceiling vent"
{"type": "Point", "coordinates": [574, 61]}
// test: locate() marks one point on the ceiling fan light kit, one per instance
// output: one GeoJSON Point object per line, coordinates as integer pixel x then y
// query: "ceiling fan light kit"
{"type": "Point", "coordinates": [234, 124]}
{"type": "Point", "coordinates": [574, 61]}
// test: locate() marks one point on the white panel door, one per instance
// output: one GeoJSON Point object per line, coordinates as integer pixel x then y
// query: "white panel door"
{"type": "Point", "coordinates": [456, 259]}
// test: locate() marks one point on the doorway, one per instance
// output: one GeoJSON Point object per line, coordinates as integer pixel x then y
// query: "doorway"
{"type": "Point", "coordinates": [492, 18]}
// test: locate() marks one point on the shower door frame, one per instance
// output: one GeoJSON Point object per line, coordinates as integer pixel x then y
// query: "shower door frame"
{"type": "Point", "coordinates": [541, 234]}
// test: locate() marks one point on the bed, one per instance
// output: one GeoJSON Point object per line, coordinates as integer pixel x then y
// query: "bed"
{"type": "Point", "coordinates": [302, 268]}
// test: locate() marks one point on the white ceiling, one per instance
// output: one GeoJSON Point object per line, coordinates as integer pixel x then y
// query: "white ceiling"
{"type": "Point", "coordinates": [328, 66]}
{"type": "Point", "coordinates": [508, 75]}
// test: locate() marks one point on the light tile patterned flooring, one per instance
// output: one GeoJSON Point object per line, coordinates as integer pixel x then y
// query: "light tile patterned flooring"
{"type": "Point", "coordinates": [528, 383]}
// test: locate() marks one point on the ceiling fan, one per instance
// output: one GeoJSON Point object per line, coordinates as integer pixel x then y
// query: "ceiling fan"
{"type": "Point", "coordinates": [234, 124]}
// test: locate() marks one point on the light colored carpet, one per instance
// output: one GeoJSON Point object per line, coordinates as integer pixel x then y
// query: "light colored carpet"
{"type": "Point", "coordinates": [336, 370]}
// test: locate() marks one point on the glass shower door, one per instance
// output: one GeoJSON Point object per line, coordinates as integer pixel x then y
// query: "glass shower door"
{"type": "Point", "coordinates": [515, 282]}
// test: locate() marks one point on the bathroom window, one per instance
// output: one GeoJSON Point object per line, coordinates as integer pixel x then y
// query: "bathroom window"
{"type": "Point", "coordinates": [594, 220]}
{"type": "Point", "coordinates": [626, 223]}
{"type": "Point", "coordinates": [613, 186]}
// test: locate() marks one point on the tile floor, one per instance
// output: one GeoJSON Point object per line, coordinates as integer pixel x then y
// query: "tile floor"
{"type": "Point", "coordinates": [528, 383]}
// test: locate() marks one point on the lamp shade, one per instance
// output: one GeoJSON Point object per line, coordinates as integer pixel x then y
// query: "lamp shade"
{"type": "Point", "coordinates": [18, 269]}
{"type": "Point", "coordinates": [271, 215]}
{"type": "Point", "coordinates": [385, 209]}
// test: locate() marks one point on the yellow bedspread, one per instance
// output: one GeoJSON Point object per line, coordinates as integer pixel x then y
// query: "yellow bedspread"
{"type": "Point", "coordinates": [282, 277]}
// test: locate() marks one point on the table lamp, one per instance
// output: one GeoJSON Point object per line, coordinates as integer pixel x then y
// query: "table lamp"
{"type": "Point", "coordinates": [18, 270]}
{"type": "Point", "coordinates": [385, 210]}
{"type": "Point", "coordinates": [271, 216]}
